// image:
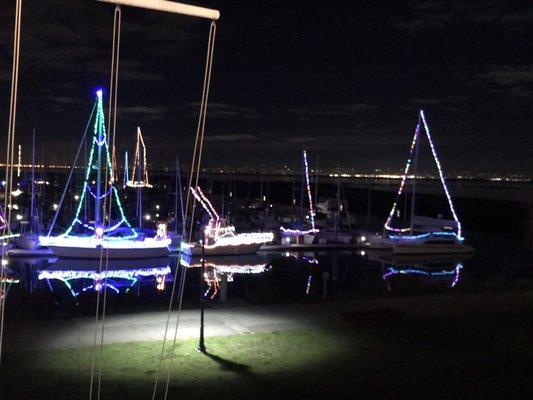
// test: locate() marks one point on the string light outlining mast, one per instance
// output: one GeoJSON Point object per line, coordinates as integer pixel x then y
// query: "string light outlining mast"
{"type": "Point", "coordinates": [388, 224]}
{"type": "Point", "coordinates": [139, 168]}
{"type": "Point", "coordinates": [309, 196]}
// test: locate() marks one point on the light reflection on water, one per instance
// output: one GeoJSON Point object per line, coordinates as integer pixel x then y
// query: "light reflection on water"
{"type": "Point", "coordinates": [70, 287]}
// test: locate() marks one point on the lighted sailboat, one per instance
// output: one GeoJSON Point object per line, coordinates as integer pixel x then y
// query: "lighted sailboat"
{"type": "Point", "coordinates": [305, 232]}
{"type": "Point", "coordinates": [139, 170]}
{"type": "Point", "coordinates": [101, 234]}
{"type": "Point", "coordinates": [424, 235]}
{"type": "Point", "coordinates": [220, 236]}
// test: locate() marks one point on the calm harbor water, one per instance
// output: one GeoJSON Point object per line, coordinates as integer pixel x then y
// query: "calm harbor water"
{"type": "Point", "coordinates": [61, 288]}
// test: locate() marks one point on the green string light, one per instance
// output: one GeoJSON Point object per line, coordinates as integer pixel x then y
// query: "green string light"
{"type": "Point", "coordinates": [99, 132]}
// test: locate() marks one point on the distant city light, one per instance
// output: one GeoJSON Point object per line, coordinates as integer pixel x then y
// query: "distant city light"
{"type": "Point", "coordinates": [16, 193]}
{"type": "Point", "coordinates": [54, 206]}
{"type": "Point", "coordinates": [147, 217]}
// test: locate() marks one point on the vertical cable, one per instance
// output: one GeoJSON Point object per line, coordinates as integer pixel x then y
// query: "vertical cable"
{"type": "Point", "coordinates": [9, 163]}
{"type": "Point", "coordinates": [195, 169]}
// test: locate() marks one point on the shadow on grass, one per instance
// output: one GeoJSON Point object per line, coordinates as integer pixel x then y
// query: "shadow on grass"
{"type": "Point", "coordinates": [231, 366]}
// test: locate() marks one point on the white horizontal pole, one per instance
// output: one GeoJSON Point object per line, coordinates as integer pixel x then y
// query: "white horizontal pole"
{"type": "Point", "coordinates": [170, 7]}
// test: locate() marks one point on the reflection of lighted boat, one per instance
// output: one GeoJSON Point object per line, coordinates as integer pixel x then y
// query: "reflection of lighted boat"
{"type": "Point", "coordinates": [219, 271]}
{"type": "Point", "coordinates": [100, 236]}
{"type": "Point", "coordinates": [220, 236]}
{"type": "Point", "coordinates": [424, 260]}
{"type": "Point", "coordinates": [112, 264]}
{"type": "Point", "coordinates": [9, 277]}
{"type": "Point", "coordinates": [431, 268]}
{"type": "Point", "coordinates": [245, 264]}
{"type": "Point", "coordinates": [447, 273]}
{"type": "Point", "coordinates": [118, 275]}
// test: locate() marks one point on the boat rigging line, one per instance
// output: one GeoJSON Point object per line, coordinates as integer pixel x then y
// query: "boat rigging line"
{"type": "Point", "coordinates": [72, 167]}
{"type": "Point", "coordinates": [10, 153]}
{"type": "Point", "coordinates": [194, 175]}
{"type": "Point", "coordinates": [109, 180]}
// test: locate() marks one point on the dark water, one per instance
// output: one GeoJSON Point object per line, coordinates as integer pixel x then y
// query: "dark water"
{"type": "Point", "coordinates": [52, 288]}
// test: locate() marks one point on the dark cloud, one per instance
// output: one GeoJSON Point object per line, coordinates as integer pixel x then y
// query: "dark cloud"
{"type": "Point", "coordinates": [334, 110]}
{"type": "Point", "coordinates": [344, 81]}
{"type": "Point", "coordinates": [223, 110]}
{"type": "Point", "coordinates": [230, 138]}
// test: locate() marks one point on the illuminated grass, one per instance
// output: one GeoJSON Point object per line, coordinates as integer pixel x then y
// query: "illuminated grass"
{"type": "Point", "coordinates": [383, 356]}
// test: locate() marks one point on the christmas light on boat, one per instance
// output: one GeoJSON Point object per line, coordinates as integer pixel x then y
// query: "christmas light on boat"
{"type": "Point", "coordinates": [139, 165]}
{"type": "Point", "coordinates": [405, 175]}
{"type": "Point", "coordinates": [103, 233]}
{"type": "Point", "coordinates": [311, 210]}
{"type": "Point", "coordinates": [299, 232]}
{"type": "Point", "coordinates": [220, 236]}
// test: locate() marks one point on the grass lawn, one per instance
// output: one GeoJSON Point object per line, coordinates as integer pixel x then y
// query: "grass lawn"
{"type": "Point", "coordinates": [375, 355]}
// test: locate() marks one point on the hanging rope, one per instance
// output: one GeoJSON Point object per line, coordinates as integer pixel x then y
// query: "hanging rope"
{"type": "Point", "coordinates": [199, 142]}
{"type": "Point", "coordinates": [109, 179]}
{"type": "Point", "coordinates": [10, 148]}
{"type": "Point", "coordinates": [195, 170]}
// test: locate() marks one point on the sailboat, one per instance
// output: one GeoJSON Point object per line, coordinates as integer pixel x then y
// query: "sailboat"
{"type": "Point", "coordinates": [304, 232]}
{"type": "Point", "coordinates": [99, 234]}
{"type": "Point", "coordinates": [220, 237]}
{"type": "Point", "coordinates": [424, 235]}
{"type": "Point", "coordinates": [28, 241]}
{"type": "Point", "coordinates": [139, 170]}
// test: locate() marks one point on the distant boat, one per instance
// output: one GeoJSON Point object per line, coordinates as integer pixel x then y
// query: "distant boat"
{"type": "Point", "coordinates": [303, 231]}
{"type": "Point", "coordinates": [139, 169]}
{"type": "Point", "coordinates": [220, 237]}
{"type": "Point", "coordinates": [100, 235]}
{"type": "Point", "coordinates": [28, 243]}
{"type": "Point", "coordinates": [424, 235]}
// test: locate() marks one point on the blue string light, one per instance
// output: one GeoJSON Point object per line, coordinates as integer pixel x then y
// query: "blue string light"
{"type": "Point", "coordinates": [99, 139]}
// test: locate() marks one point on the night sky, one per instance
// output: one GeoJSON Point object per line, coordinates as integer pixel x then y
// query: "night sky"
{"type": "Point", "coordinates": [343, 79]}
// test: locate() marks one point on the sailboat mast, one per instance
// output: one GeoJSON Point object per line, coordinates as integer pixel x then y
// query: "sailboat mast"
{"type": "Point", "coordinates": [179, 193]}
{"type": "Point", "coordinates": [126, 172]}
{"type": "Point", "coordinates": [100, 142]}
{"type": "Point", "coordinates": [32, 203]}
{"type": "Point", "coordinates": [415, 170]}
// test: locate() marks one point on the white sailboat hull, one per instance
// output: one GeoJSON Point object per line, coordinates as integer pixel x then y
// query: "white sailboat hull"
{"type": "Point", "coordinates": [91, 248]}
{"type": "Point", "coordinates": [96, 253]}
{"type": "Point", "coordinates": [290, 238]}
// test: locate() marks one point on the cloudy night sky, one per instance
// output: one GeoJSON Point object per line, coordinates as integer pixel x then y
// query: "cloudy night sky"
{"type": "Point", "coordinates": [343, 79]}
